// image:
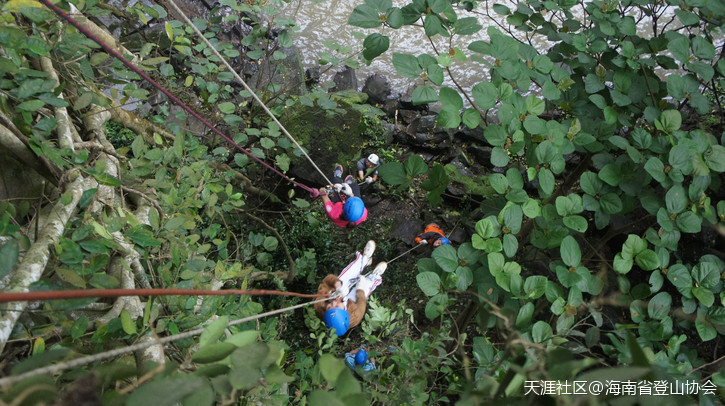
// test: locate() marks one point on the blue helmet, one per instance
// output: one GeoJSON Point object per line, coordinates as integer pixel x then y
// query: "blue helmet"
{"type": "Point", "coordinates": [338, 319]}
{"type": "Point", "coordinates": [360, 357]}
{"type": "Point", "coordinates": [445, 241]}
{"type": "Point", "coordinates": [353, 209]}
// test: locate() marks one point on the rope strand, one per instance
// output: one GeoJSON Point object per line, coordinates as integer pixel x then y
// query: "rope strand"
{"type": "Point", "coordinates": [246, 87]}
{"type": "Point", "coordinates": [89, 293]}
{"type": "Point", "coordinates": [53, 369]}
{"type": "Point", "coordinates": [168, 94]}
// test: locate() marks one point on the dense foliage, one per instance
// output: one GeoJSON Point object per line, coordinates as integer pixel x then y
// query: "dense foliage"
{"type": "Point", "coordinates": [593, 254]}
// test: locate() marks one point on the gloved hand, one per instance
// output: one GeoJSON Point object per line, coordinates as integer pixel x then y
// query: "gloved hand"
{"type": "Point", "coordinates": [323, 191]}
{"type": "Point", "coordinates": [338, 187]}
{"type": "Point", "coordinates": [343, 290]}
{"type": "Point", "coordinates": [423, 242]}
{"type": "Point", "coordinates": [369, 180]}
{"type": "Point", "coordinates": [364, 284]}
{"type": "Point", "coordinates": [346, 189]}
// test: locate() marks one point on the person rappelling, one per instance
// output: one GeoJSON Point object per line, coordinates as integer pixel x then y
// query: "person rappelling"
{"type": "Point", "coordinates": [433, 235]}
{"type": "Point", "coordinates": [352, 289]}
{"type": "Point", "coordinates": [345, 206]}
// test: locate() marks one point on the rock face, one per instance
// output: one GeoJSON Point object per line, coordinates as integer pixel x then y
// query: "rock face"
{"type": "Point", "coordinates": [377, 88]}
{"type": "Point", "coordinates": [329, 139]}
{"type": "Point", "coordinates": [345, 80]}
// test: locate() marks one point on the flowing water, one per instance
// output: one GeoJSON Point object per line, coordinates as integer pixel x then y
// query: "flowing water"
{"type": "Point", "coordinates": [322, 21]}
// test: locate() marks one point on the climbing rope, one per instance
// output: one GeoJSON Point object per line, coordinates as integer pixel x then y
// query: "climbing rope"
{"type": "Point", "coordinates": [313, 192]}
{"type": "Point", "coordinates": [405, 253]}
{"type": "Point", "coordinates": [89, 293]}
{"type": "Point", "coordinates": [53, 369]}
{"type": "Point", "coordinates": [246, 87]}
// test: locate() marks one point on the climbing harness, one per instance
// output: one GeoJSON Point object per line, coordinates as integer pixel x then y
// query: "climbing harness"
{"type": "Point", "coordinates": [313, 192]}
{"type": "Point", "coordinates": [52, 369]}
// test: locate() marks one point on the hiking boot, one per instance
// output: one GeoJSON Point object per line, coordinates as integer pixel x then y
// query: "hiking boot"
{"type": "Point", "coordinates": [380, 268]}
{"type": "Point", "coordinates": [338, 172]}
{"type": "Point", "coordinates": [349, 179]}
{"type": "Point", "coordinates": [368, 253]}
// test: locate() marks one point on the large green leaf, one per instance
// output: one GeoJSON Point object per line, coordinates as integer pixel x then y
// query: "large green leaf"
{"type": "Point", "coordinates": [374, 45]}
{"type": "Point", "coordinates": [424, 94]}
{"type": "Point", "coordinates": [407, 65]}
{"type": "Point", "coordinates": [429, 283]}
{"type": "Point", "coordinates": [446, 257]}
{"type": "Point", "coordinates": [364, 16]}
{"type": "Point", "coordinates": [8, 257]}
{"type": "Point", "coordinates": [570, 251]}
{"type": "Point", "coordinates": [393, 173]}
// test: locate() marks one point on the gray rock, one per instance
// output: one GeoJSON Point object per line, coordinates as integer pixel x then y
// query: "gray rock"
{"type": "Point", "coordinates": [482, 155]}
{"type": "Point", "coordinates": [424, 124]}
{"type": "Point", "coordinates": [377, 88]}
{"type": "Point", "coordinates": [345, 80]}
{"type": "Point", "coordinates": [407, 116]}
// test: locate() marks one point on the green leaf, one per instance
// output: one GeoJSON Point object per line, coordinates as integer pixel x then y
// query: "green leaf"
{"type": "Point", "coordinates": [8, 257]}
{"type": "Point", "coordinates": [611, 174]}
{"type": "Point", "coordinates": [546, 182]}
{"type": "Point", "coordinates": [128, 324]}
{"type": "Point", "coordinates": [407, 65]}
{"type": "Point", "coordinates": [429, 283]}
{"type": "Point", "coordinates": [622, 264]}
{"type": "Point", "coordinates": [331, 367]}
{"type": "Point", "coordinates": [424, 94]}
{"type": "Point", "coordinates": [244, 377]}
{"type": "Point", "coordinates": [656, 169]}
{"type": "Point", "coordinates": [576, 222]}
{"type": "Point", "coordinates": [705, 329]}
{"type": "Point", "coordinates": [393, 173]}
{"type": "Point", "coordinates": [394, 17]}
{"type": "Point", "coordinates": [435, 74]}
{"type": "Point", "coordinates": [213, 352]}
{"type": "Point", "coordinates": [485, 94]}
{"type": "Point", "coordinates": [702, 48]}
{"type": "Point", "coordinates": [535, 105]}
{"type": "Point", "coordinates": [226, 107]}
{"type": "Point", "coordinates": [446, 257]}
{"type": "Point", "coordinates": [499, 157]}
{"type": "Point", "coordinates": [715, 158]}
{"type": "Point", "coordinates": [671, 120]}
{"type": "Point", "coordinates": [166, 391]}
{"type": "Point", "coordinates": [689, 222]}
{"type": "Point", "coordinates": [106, 179]}
{"type": "Point", "coordinates": [704, 295]}
{"type": "Point", "coordinates": [523, 319]}
{"type": "Point", "coordinates": [79, 327]}
{"type": "Point", "coordinates": [676, 199]}
{"type": "Point", "coordinates": [374, 45]}
{"type": "Point", "coordinates": [449, 117]}
{"type": "Point", "coordinates": [142, 236]}
{"type": "Point", "coordinates": [659, 306]}
{"type": "Point", "coordinates": [451, 98]}
{"type": "Point", "coordinates": [501, 9]}
{"type": "Point", "coordinates": [570, 251]}
{"type": "Point", "coordinates": [679, 276]}
{"type": "Point", "coordinates": [541, 332]}
{"type": "Point", "coordinates": [214, 331]}
{"type": "Point", "coordinates": [364, 16]}
{"type": "Point", "coordinates": [415, 166]}
{"type": "Point", "coordinates": [472, 118]}
{"type": "Point", "coordinates": [467, 26]}
{"type": "Point", "coordinates": [611, 203]}
{"type": "Point", "coordinates": [647, 260]}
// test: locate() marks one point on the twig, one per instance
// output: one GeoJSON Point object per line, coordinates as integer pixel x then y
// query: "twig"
{"type": "Point", "coordinates": [145, 196]}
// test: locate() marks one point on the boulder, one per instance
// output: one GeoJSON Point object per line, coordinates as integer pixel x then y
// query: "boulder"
{"type": "Point", "coordinates": [377, 88]}
{"type": "Point", "coordinates": [345, 80]}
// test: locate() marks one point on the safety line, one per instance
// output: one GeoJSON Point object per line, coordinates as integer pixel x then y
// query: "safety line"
{"type": "Point", "coordinates": [168, 94]}
{"type": "Point", "coordinates": [89, 293]}
{"type": "Point", "coordinates": [416, 246]}
{"type": "Point", "coordinates": [246, 87]}
{"type": "Point", "coordinates": [52, 369]}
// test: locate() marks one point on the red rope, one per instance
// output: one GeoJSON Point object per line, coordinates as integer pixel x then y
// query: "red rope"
{"type": "Point", "coordinates": [168, 94]}
{"type": "Point", "coordinates": [90, 293]}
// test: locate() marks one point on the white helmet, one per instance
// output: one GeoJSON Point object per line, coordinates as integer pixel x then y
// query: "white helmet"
{"type": "Point", "coordinates": [374, 159]}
